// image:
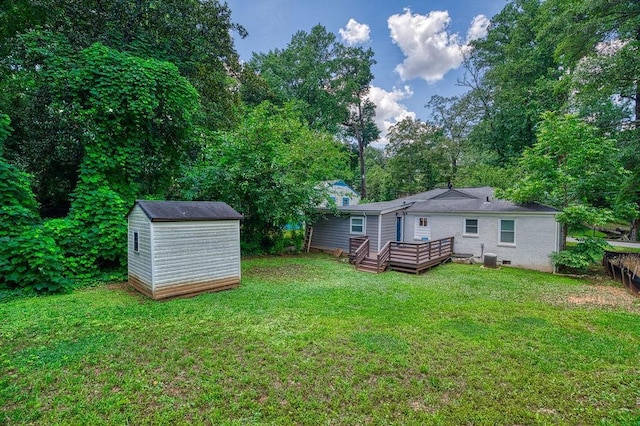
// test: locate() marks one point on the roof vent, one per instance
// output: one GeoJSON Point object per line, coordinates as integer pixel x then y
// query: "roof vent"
{"type": "Point", "coordinates": [487, 199]}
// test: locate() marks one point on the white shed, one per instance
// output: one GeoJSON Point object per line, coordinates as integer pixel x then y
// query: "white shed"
{"type": "Point", "coordinates": [183, 247]}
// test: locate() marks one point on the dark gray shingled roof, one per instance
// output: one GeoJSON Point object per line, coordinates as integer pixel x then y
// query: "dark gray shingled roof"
{"type": "Point", "coordinates": [177, 211]}
{"type": "Point", "coordinates": [443, 200]}
{"type": "Point", "coordinates": [474, 200]}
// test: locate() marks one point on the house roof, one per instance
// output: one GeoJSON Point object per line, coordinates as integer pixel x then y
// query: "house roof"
{"type": "Point", "coordinates": [178, 211]}
{"type": "Point", "coordinates": [443, 200]}
{"type": "Point", "coordinates": [474, 200]}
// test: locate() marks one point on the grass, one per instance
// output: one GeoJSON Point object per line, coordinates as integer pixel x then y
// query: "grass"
{"type": "Point", "coordinates": [308, 340]}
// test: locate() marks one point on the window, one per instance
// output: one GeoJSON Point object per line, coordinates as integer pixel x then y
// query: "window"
{"type": "Point", "coordinates": [136, 241]}
{"type": "Point", "coordinates": [423, 222]}
{"type": "Point", "coordinates": [357, 225]}
{"type": "Point", "coordinates": [471, 226]}
{"type": "Point", "coordinates": [345, 201]}
{"type": "Point", "coordinates": [507, 231]}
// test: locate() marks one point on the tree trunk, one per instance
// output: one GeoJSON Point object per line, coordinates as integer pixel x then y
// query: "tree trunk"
{"type": "Point", "coordinates": [363, 176]}
{"type": "Point", "coordinates": [633, 234]}
{"type": "Point", "coordinates": [563, 241]}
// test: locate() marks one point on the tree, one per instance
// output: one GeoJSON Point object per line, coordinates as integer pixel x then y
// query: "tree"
{"type": "Point", "coordinates": [29, 256]}
{"type": "Point", "coordinates": [571, 167]}
{"type": "Point", "coordinates": [194, 35]}
{"type": "Point", "coordinates": [521, 76]}
{"type": "Point", "coordinates": [268, 169]}
{"type": "Point", "coordinates": [355, 80]}
{"type": "Point", "coordinates": [328, 82]}
{"type": "Point", "coordinates": [454, 118]}
{"type": "Point", "coordinates": [413, 158]}
{"type": "Point", "coordinates": [597, 42]}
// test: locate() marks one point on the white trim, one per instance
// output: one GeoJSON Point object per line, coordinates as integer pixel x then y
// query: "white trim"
{"type": "Point", "coordinates": [500, 242]}
{"type": "Point", "coordinates": [464, 227]}
{"type": "Point", "coordinates": [364, 225]}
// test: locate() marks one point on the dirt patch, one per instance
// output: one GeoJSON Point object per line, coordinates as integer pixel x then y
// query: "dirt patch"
{"type": "Point", "coordinates": [285, 271]}
{"type": "Point", "coordinates": [601, 295]}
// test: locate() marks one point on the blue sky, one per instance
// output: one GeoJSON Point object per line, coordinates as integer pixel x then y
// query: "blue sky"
{"type": "Point", "coordinates": [417, 44]}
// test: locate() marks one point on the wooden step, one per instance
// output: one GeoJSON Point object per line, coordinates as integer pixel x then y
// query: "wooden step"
{"type": "Point", "coordinates": [368, 265]}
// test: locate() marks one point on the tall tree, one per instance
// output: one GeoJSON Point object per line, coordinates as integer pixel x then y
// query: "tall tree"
{"type": "Point", "coordinates": [520, 74]}
{"type": "Point", "coordinates": [194, 35]}
{"type": "Point", "coordinates": [329, 83]}
{"type": "Point", "coordinates": [598, 43]}
{"type": "Point", "coordinates": [413, 158]}
{"type": "Point", "coordinates": [269, 169]}
{"type": "Point", "coordinates": [454, 118]}
{"type": "Point", "coordinates": [571, 167]}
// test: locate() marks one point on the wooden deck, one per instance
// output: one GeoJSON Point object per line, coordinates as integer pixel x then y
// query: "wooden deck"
{"type": "Point", "coordinates": [405, 257]}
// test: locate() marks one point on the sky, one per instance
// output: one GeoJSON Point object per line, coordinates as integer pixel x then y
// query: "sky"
{"type": "Point", "coordinates": [418, 45]}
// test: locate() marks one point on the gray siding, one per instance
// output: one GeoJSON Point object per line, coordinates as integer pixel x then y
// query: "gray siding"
{"type": "Point", "coordinates": [388, 228]}
{"type": "Point", "coordinates": [140, 261]}
{"type": "Point", "coordinates": [372, 232]}
{"type": "Point", "coordinates": [192, 252]}
{"type": "Point", "coordinates": [536, 237]}
{"type": "Point", "coordinates": [330, 232]}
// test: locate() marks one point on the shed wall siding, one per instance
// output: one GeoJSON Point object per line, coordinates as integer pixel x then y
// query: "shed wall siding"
{"type": "Point", "coordinates": [195, 252]}
{"type": "Point", "coordinates": [140, 269]}
{"type": "Point", "coordinates": [536, 237]}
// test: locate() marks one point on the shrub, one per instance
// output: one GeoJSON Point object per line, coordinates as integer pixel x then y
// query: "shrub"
{"type": "Point", "coordinates": [29, 256]}
{"type": "Point", "coordinates": [588, 251]}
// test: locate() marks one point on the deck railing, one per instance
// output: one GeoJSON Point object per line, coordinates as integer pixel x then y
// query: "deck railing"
{"type": "Point", "coordinates": [421, 255]}
{"type": "Point", "coordinates": [362, 252]}
{"type": "Point", "coordinates": [354, 243]}
{"type": "Point", "coordinates": [383, 256]}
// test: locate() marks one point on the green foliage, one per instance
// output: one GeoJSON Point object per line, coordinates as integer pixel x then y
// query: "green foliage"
{"type": "Point", "coordinates": [414, 162]}
{"type": "Point", "coordinates": [570, 164]}
{"type": "Point", "coordinates": [94, 234]}
{"type": "Point", "coordinates": [268, 169]}
{"type": "Point", "coordinates": [29, 256]}
{"type": "Point", "coordinates": [580, 257]}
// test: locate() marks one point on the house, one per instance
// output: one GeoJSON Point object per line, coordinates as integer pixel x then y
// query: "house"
{"type": "Point", "coordinates": [341, 193]}
{"type": "Point", "coordinates": [183, 247]}
{"type": "Point", "coordinates": [520, 235]}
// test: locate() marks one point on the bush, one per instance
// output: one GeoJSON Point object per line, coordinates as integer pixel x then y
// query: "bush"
{"type": "Point", "coordinates": [588, 251]}
{"type": "Point", "coordinates": [29, 256]}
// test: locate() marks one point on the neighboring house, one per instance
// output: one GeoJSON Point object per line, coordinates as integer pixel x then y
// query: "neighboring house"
{"type": "Point", "coordinates": [520, 235]}
{"type": "Point", "coordinates": [341, 193]}
{"type": "Point", "coordinates": [183, 247]}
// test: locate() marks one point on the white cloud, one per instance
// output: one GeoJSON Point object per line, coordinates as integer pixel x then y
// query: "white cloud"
{"type": "Point", "coordinates": [478, 29]}
{"type": "Point", "coordinates": [430, 51]}
{"type": "Point", "coordinates": [355, 32]}
{"type": "Point", "coordinates": [389, 110]}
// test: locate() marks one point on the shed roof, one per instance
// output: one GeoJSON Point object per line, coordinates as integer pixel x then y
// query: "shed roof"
{"type": "Point", "coordinates": [178, 211]}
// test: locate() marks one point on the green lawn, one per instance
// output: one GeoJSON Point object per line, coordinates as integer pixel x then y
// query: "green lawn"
{"type": "Point", "coordinates": [308, 340]}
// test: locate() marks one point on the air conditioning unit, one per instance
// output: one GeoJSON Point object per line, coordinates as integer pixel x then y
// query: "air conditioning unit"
{"type": "Point", "coordinates": [490, 260]}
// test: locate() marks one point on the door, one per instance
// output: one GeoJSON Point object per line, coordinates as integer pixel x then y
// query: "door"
{"type": "Point", "coordinates": [399, 228]}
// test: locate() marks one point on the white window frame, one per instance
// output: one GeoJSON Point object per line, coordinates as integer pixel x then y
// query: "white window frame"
{"type": "Point", "coordinates": [364, 225]}
{"type": "Point", "coordinates": [136, 241]}
{"type": "Point", "coordinates": [506, 243]}
{"type": "Point", "coordinates": [420, 220]}
{"type": "Point", "coordinates": [464, 227]}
